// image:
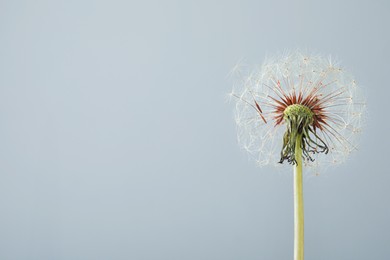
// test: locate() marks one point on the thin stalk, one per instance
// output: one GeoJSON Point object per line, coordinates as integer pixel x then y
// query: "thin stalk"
{"type": "Point", "coordinates": [298, 202]}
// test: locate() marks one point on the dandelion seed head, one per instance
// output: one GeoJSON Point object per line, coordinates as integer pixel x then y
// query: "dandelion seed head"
{"type": "Point", "coordinates": [317, 84]}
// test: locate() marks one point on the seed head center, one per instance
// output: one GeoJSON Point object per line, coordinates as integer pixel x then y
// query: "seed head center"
{"type": "Point", "coordinates": [299, 112]}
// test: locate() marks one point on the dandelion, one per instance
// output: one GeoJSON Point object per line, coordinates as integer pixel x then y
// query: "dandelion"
{"type": "Point", "coordinates": [299, 109]}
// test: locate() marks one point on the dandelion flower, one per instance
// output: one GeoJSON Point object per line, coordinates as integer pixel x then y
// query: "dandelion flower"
{"type": "Point", "coordinates": [300, 109]}
{"type": "Point", "coordinates": [292, 89]}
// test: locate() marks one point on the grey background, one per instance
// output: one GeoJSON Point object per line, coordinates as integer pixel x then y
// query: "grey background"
{"type": "Point", "coordinates": [116, 141]}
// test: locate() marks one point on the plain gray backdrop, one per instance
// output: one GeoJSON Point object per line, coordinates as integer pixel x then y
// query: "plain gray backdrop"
{"type": "Point", "coordinates": [116, 141]}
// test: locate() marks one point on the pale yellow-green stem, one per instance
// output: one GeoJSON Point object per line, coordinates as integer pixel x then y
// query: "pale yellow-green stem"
{"type": "Point", "coordinates": [298, 202]}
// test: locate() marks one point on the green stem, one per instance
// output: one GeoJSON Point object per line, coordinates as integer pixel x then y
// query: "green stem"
{"type": "Point", "coordinates": [298, 202]}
